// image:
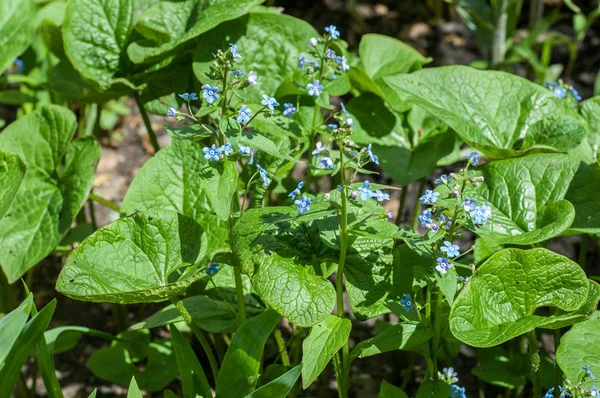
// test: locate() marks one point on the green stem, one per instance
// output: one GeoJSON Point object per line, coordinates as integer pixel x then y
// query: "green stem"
{"type": "Point", "coordinates": [237, 271]}
{"type": "Point", "coordinates": [499, 37]}
{"type": "Point", "coordinates": [199, 335]}
{"type": "Point", "coordinates": [583, 249]}
{"type": "Point", "coordinates": [105, 202]}
{"type": "Point", "coordinates": [437, 332]}
{"type": "Point", "coordinates": [418, 203]}
{"type": "Point", "coordinates": [535, 362]}
{"type": "Point", "coordinates": [400, 215]}
{"type": "Point", "coordinates": [285, 359]}
{"type": "Point", "coordinates": [558, 376]}
{"type": "Point", "coordinates": [91, 116]}
{"type": "Point", "coordinates": [146, 119]}
{"type": "Point", "coordinates": [92, 214]}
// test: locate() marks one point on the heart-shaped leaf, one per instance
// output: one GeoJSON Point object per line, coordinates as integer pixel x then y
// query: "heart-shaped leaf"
{"type": "Point", "coordinates": [277, 252]}
{"type": "Point", "coordinates": [178, 178]}
{"type": "Point", "coordinates": [500, 114]}
{"type": "Point", "coordinates": [500, 300]}
{"type": "Point", "coordinates": [147, 257]}
{"type": "Point", "coordinates": [17, 28]}
{"type": "Point", "coordinates": [59, 177]}
{"type": "Point", "coordinates": [12, 171]}
{"type": "Point", "coordinates": [578, 347]}
{"type": "Point", "coordinates": [168, 24]}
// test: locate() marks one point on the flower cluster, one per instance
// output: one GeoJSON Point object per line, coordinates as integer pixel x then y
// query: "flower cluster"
{"type": "Point", "coordinates": [562, 90]}
{"type": "Point", "coordinates": [365, 192]}
{"type": "Point", "coordinates": [568, 389]}
{"type": "Point", "coordinates": [212, 269]}
{"type": "Point", "coordinates": [449, 376]}
{"type": "Point", "coordinates": [303, 203]}
{"type": "Point", "coordinates": [322, 152]}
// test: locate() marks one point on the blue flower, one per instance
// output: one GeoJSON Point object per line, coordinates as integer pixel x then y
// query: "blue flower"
{"type": "Point", "coordinates": [227, 149]}
{"type": "Point", "coordinates": [189, 97]}
{"type": "Point", "coordinates": [210, 93]}
{"type": "Point", "coordinates": [234, 51]}
{"type": "Point", "coordinates": [473, 157]}
{"type": "Point", "coordinates": [172, 111]}
{"type": "Point", "coordinates": [237, 73]}
{"type": "Point", "coordinates": [330, 53]}
{"type": "Point", "coordinates": [586, 367]}
{"type": "Point", "coordinates": [296, 191]}
{"type": "Point", "coordinates": [448, 375]}
{"type": "Point", "coordinates": [244, 115]}
{"type": "Point", "coordinates": [269, 102]}
{"type": "Point", "coordinates": [246, 150]}
{"type": "Point", "coordinates": [469, 204]}
{"type": "Point", "coordinates": [549, 393]}
{"type": "Point", "coordinates": [594, 392]}
{"type": "Point", "coordinates": [558, 90]}
{"type": "Point", "coordinates": [212, 153]}
{"type": "Point", "coordinates": [365, 190]}
{"type": "Point", "coordinates": [252, 77]}
{"type": "Point", "coordinates": [327, 163]}
{"type": "Point", "coordinates": [319, 149]}
{"type": "Point", "coordinates": [575, 93]}
{"type": "Point", "coordinates": [443, 265]}
{"type": "Point", "coordinates": [350, 122]}
{"type": "Point", "coordinates": [289, 109]}
{"type": "Point", "coordinates": [301, 62]}
{"type": "Point", "coordinates": [343, 63]}
{"type": "Point", "coordinates": [333, 32]}
{"type": "Point", "coordinates": [263, 175]}
{"type": "Point", "coordinates": [372, 156]}
{"type": "Point", "coordinates": [429, 197]}
{"type": "Point", "coordinates": [457, 392]}
{"type": "Point", "coordinates": [315, 89]}
{"type": "Point", "coordinates": [212, 269]}
{"type": "Point", "coordinates": [480, 214]}
{"type": "Point", "coordinates": [303, 204]}
{"type": "Point", "coordinates": [450, 249]}
{"type": "Point", "coordinates": [407, 303]}
{"type": "Point", "coordinates": [313, 42]}
{"type": "Point", "coordinates": [20, 66]}
{"type": "Point", "coordinates": [344, 108]}
{"type": "Point", "coordinates": [444, 179]}
{"type": "Point", "coordinates": [381, 196]}
{"type": "Point", "coordinates": [564, 392]}
{"type": "Point", "coordinates": [425, 218]}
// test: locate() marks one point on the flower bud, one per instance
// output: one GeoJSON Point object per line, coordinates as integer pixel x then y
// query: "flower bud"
{"type": "Point", "coordinates": [354, 195]}
{"type": "Point", "coordinates": [455, 194]}
{"type": "Point", "coordinates": [390, 215]}
{"type": "Point", "coordinates": [351, 144]}
{"type": "Point", "coordinates": [480, 179]}
{"type": "Point", "coordinates": [474, 180]}
{"type": "Point", "coordinates": [327, 196]}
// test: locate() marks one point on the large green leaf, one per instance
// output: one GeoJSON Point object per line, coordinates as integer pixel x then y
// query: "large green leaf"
{"type": "Point", "coordinates": [12, 171]}
{"type": "Point", "coordinates": [178, 178]}
{"type": "Point", "coordinates": [17, 28]}
{"type": "Point", "coordinates": [384, 56]}
{"type": "Point", "coordinates": [143, 258]}
{"type": "Point", "coordinates": [500, 300]}
{"type": "Point", "coordinates": [59, 176]}
{"type": "Point", "coordinates": [583, 194]}
{"type": "Point", "coordinates": [193, 378]}
{"type": "Point", "coordinates": [324, 341]}
{"type": "Point", "coordinates": [239, 372]}
{"type": "Point", "coordinates": [578, 347]}
{"type": "Point", "coordinates": [388, 390]}
{"type": "Point", "coordinates": [95, 34]}
{"type": "Point", "coordinates": [280, 387]}
{"type": "Point", "coordinates": [402, 336]}
{"type": "Point", "coordinates": [23, 347]}
{"type": "Point", "coordinates": [270, 44]}
{"type": "Point", "coordinates": [169, 24]}
{"type": "Point", "coordinates": [501, 114]}
{"type": "Point", "coordinates": [275, 252]}
{"type": "Point", "coordinates": [588, 150]}
{"type": "Point", "coordinates": [11, 325]}
{"type": "Point", "coordinates": [527, 198]}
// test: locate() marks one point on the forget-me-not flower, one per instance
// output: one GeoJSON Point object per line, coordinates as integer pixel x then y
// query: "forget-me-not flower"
{"type": "Point", "coordinates": [341, 60]}
{"type": "Point", "coordinates": [443, 265]}
{"type": "Point", "coordinates": [450, 249]}
{"type": "Point", "coordinates": [244, 115]}
{"type": "Point", "coordinates": [303, 204]}
{"type": "Point", "coordinates": [473, 157]}
{"type": "Point", "coordinates": [313, 42]}
{"type": "Point", "coordinates": [212, 269]}
{"type": "Point", "coordinates": [246, 150]}
{"type": "Point", "coordinates": [372, 156]}
{"type": "Point", "coordinates": [480, 214]}
{"type": "Point", "coordinates": [319, 149]}
{"type": "Point", "coordinates": [172, 111]}
{"type": "Point", "coordinates": [315, 89]}
{"type": "Point", "coordinates": [263, 175]}
{"type": "Point", "coordinates": [213, 153]}
{"type": "Point", "coordinates": [301, 62]}
{"type": "Point", "coordinates": [296, 191]}
{"type": "Point", "coordinates": [549, 393]}
{"type": "Point", "coordinates": [330, 53]}
{"type": "Point", "coordinates": [269, 102]}
{"type": "Point", "coordinates": [457, 392]}
{"type": "Point", "coordinates": [429, 197]}
{"type": "Point", "coordinates": [327, 163]}
{"type": "Point", "coordinates": [227, 149]}
{"type": "Point", "coordinates": [425, 217]}
{"type": "Point", "coordinates": [469, 204]}
{"type": "Point", "coordinates": [563, 392]}
{"type": "Point", "coordinates": [575, 93]}
{"type": "Point", "coordinates": [448, 375]}
{"type": "Point", "coordinates": [381, 196]}
{"type": "Point", "coordinates": [365, 190]}
{"type": "Point", "coordinates": [237, 73]}
{"type": "Point", "coordinates": [444, 179]}
{"type": "Point", "coordinates": [289, 109]}
{"type": "Point", "coordinates": [189, 96]}
{"type": "Point", "coordinates": [333, 32]}
{"type": "Point", "coordinates": [234, 51]}
{"type": "Point", "coordinates": [407, 303]}
{"type": "Point", "coordinates": [252, 77]}
{"type": "Point", "coordinates": [210, 93]}
{"type": "Point", "coordinates": [586, 367]}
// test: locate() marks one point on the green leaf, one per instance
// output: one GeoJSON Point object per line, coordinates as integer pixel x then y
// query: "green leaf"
{"type": "Point", "coordinates": [588, 150]}
{"type": "Point", "coordinates": [119, 362]}
{"type": "Point", "coordinates": [175, 180]}
{"type": "Point", "coordinates": [434, 389]}
{"type": "Point", "coordinates": [12, 171]}
{"type": "Point", "coordinates": [583, 194]}
{"type": "Point", "coordinates": [385, 56]}
{"type": "Point", "coordinates": [280, 387]}
{"type": "Point", "coordinates": [143, 258]}
{"type": "Point", "coordinates": [95, 34]}
{"type": "Point", "coordinates": [388, 390]}
{"type": "Point", "coordinates": [527, 198]}
{"type": "Point", "coordinates": [324, 341]}
{"type": "Point", "coordinates": [401, 336]}
{"type": "Point", "coordinates": [270, 44]}
{"type": "Point", "coordinates": [59, 177]}
{"type": "Point", "coordinates": [578, 347]}
{"type": "Point", "coordinates": [64, 338]}
{"type": "Point", "coordinates": [500, 114]}
{"type": "Point", "coordinates": [11, 326]}
{"type": "Point", "coordinates": [168, 25]}
{"type": "Point", "coordinates": [262, 143]}
{"type": "Point", "coordinates": [448, 283]}
{"type": "Point", "coordinates": [133, 391]}
{"type": "Point", "coordinates": [193, 132]}
{"type": "Point", "coordinates": [17, 28]}
{"type": "Point", "coordinates": [23, 348]}
{"type": "Point", "coordinates": [239, 371]}
{"type": "Point", "coordinates": [521, 281]}
{"type": "Point", "coordinates": [193, 379]}
{"type": "Point", "coordinates": [275, 252]}
{"type": "Point", "coordinates": [15, 97]}
{"type": "Point", "coordinates": [497, 368]}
